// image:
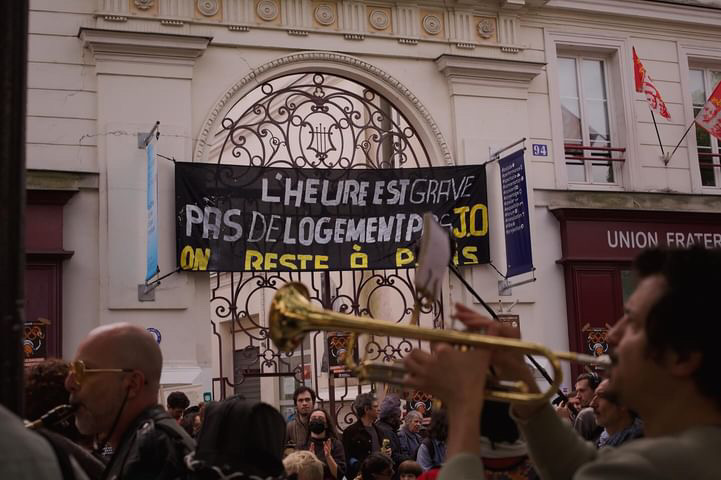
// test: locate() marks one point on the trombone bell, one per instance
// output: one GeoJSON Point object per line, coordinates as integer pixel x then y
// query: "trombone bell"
{"type": "Point", "coordinates": [292, 315]}
{"type": "Point", "coordinates": [287, 316]}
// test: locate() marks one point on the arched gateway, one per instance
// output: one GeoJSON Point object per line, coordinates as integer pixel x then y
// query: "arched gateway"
{"type": "Point", "coordinates": [314, 110]}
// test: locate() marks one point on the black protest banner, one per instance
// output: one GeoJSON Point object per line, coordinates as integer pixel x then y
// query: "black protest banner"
{"type": "Point", "coordinates": [243, 218]}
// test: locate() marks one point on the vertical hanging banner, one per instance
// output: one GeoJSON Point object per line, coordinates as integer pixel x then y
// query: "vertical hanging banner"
{"type": "Point", "coordinates": [515, 215]}
{"type": "Point", "coordinates": [152, 211]}
{"type": "Point", "coordinates": [247, 218]}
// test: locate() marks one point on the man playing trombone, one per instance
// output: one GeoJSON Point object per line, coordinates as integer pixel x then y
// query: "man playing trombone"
{"type": "Point", "coordinates": [665, 367]}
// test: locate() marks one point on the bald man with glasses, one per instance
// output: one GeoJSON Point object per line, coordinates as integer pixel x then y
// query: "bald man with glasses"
{"type": "Point", "coordinates": [114, 381]}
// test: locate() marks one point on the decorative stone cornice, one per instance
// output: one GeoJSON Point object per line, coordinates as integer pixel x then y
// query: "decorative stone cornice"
{"type": "Point", "coordinates": [489, 68]}
{"type": "Point", "coordinates": [463, 73]}
{"type": "Point", "coordinates": [143, 54]}
{"type": "Point", "coordinates": [433, 21]}
{"type": "Point", "coordinates": [116, 42]}
{"type": "Point", "coordinates": [317, 60]}
{"type": "Point", "coordinates": [657, 12]}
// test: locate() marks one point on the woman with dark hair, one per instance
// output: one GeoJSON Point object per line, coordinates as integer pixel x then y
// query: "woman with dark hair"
{"type": "Point", "coordinates": [432, 452]}
{"type": "Point", "coordinates": [323, 441]}
{"type": "Point", "coordinates": [191, 423]}
{"type": "Point", "coordinates": [239, 439]}
{"type": "Point", "coordinates": [377, 466]}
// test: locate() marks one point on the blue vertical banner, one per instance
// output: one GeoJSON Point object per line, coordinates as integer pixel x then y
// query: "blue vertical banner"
{"type": "Point", "coordinates": [152, 211]}
{"type": "Point", "coordinates": [515, 215]}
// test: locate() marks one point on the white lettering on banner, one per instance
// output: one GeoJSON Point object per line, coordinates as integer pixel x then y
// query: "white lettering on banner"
{"type": "Point", "coordinates": [632, 239]}
{"type": "Point", "coordinates": [392, 192]}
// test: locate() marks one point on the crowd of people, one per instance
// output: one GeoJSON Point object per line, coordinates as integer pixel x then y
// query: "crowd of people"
{"type": "Point", "coordinates": [657, 414]}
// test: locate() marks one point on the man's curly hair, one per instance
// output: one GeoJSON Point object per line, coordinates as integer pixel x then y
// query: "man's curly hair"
{"type": "Point", "coordinates": [45, 389]}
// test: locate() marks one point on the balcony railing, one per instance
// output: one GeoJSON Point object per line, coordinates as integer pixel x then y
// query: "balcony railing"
{"type": "Point", "coordinates": [705, 160]}
{"type": "Point", "coordinates": [609, 154]}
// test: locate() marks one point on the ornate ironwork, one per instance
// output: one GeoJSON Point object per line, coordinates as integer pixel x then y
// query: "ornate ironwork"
{"type": "Point", "coordinates": [315, 120]}
{"type": "Point", "coordinates": [320, 121]}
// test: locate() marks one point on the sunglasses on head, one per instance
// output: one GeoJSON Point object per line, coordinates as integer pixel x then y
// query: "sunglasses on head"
{"type": "Point", "coordinates": [80, 371]}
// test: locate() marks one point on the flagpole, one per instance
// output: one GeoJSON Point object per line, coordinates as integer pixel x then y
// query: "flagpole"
{"type": "Point", "coordinates": [658, 135]}
{"type": "Point", "coordinates": [684, 136]}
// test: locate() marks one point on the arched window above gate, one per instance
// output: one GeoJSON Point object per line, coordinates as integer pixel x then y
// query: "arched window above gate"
{"type": "Point", "coordinates": [385, 94]}
{"type": "Point", "coordinates": [316, 120]}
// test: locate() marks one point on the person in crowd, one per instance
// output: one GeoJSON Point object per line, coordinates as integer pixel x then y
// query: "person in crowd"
{"type": "Point", "coordinates": [389, 421]}
{"type": "Point", "coordinates": [620, 424]}
{"type": "Point", "coordinates": [114, 382]}
{"type": "Point", "coordinates": [504, 454]}
{"type": "Point", "coordinates": [432, 452]}
{"type": "Point", "coordinates": [191, 409]}
{"type": "Point", "coordinates": [323, 441]}
{"type": "Point", "coordinates": [409, 470]}
{"type": "Point", "coordinates": [363, 437]}
{"type": "Point", "coordinates": [239, 439]}
{"type": "Point", "coordinates": [665, 366]}
{"type": "Point", "coordinates": [45, 390]}
{"type": "Point", "coordinates": [377, 466]}
{"type": "Point", "coordinates": [297, 430]}
{"type": "Point", "coordinates": [408, 436]}
{"type": "Point", "coordinates": [584, 421]}
{"type": "Point", "coordinates": [177, 403]}
{"type": "Point", "coordinates": [25, 455]}
{"type": "Point", "coordinates": [304, 465]}
{"type": "Point", "coordinates": [191, 423]}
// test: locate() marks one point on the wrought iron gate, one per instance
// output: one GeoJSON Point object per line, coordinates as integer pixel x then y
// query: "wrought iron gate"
{"type": "Point", "coordinates": [313, 120]}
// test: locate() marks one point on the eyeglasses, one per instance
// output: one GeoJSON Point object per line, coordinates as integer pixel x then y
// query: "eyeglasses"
{"type": "Point", "coordinates": [80, 371]}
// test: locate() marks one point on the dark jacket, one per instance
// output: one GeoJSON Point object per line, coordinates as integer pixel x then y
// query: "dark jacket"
{"type": "Point", "coordinates": [153, 447]}
{"type": "Point", "coordinates": [296, 432]}
{"type": "Point", "coordinates": [410, 442]}
{"type": "Point", "coordinates": [357, 443]}
{"type": "Point", "coordinates": [389, 432]}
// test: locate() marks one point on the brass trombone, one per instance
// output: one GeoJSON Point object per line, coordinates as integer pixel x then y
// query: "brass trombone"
{"type": "Point", "coordinates": [292, 316]}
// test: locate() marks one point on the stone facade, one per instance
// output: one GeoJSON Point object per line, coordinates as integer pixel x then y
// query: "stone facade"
{"type": "Point", "coordinates": [471, 76]}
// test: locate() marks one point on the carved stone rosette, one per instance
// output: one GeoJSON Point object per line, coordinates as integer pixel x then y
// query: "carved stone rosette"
{"type": "Point", "coordinates": [324, 14]}
{"type": "Point", "coordinates": [268, 10]}
{"type": "Point", "coordinates": [432, 24]}
{"type": "Point", "coordinates": [144, 4]}
{"type": "Point", "coordinates": [486, 28]}
{"type": "Point", "coordinates": [379, 19]}
{"type": "Point", "coordinates": [208, 7]}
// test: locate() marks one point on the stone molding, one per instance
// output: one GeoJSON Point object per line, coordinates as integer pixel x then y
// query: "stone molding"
{"type": "Point", "coordinates": [427, 131]}
{"type": "Point", "coordinates": [354, 20]}
{"type": "Point", "coordinates": [464, 71]}
{"type": "Point", "coordinates": [115, 42]}
{"type": "Point", "coordinates": [640, 9]}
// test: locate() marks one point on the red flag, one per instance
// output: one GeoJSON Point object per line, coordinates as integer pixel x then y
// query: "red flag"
{"type": "Point", "coordinates": [638, 72]}
{"type": "Point", "coordinates": [646, 86]}
{"type": "Point", "coordinates": [710, 115]}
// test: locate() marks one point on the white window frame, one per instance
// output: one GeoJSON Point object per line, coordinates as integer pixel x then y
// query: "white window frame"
{"type": "Point", "coordinates": [578, 58]}
{"type": "Point", "coordinates": [615, 53]}
{"type": "Point", "coordinates": [715, 142]}
{"type": "Point", "coordinates": [706, 57]}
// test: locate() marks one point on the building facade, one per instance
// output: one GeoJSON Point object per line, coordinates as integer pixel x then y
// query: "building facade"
{"type": "Point", "coordinates": [468, 76]}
